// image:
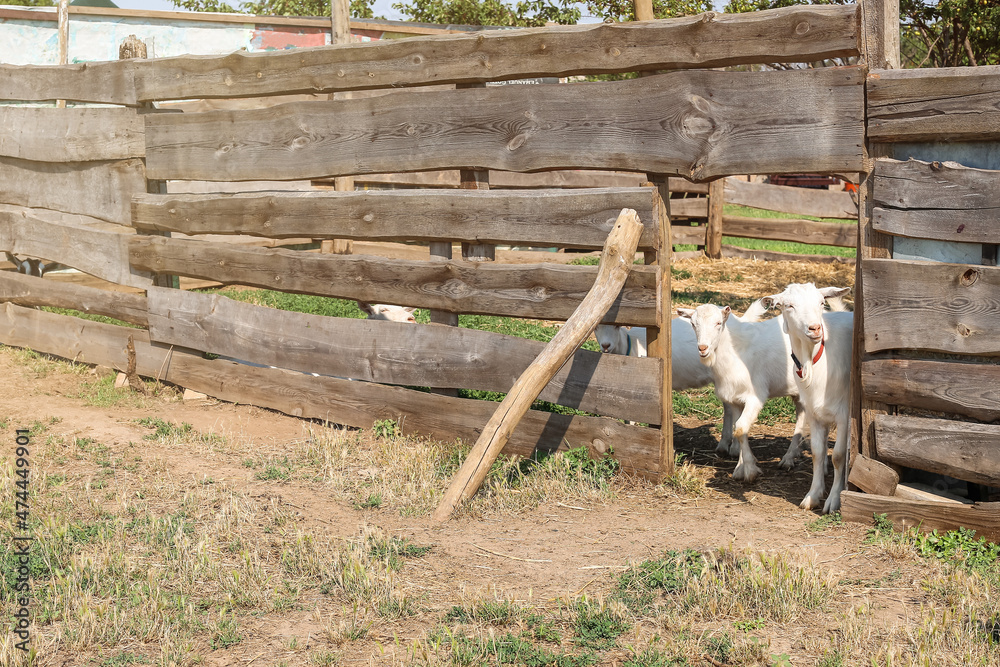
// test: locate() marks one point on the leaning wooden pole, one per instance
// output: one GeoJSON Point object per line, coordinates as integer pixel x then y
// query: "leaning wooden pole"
{"type": "Point", "coordinates": [615, 265]}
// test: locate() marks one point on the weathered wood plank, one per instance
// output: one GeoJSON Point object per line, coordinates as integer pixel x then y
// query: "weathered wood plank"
{"type": "Point", "coordinates": [565, 218]}
{"type": "Point", "coordinates": [962, 450]}
{"type": "Point", "coordinates": [31, 291]}
{"type": "Point", "coordinates": [931, 306]}
{"type": "Point", "coordinates": [799, 34]}
{"type": "Point", "coordinates": [785, 229]}
{"type": "Point", "coordinates": [102, 189]}
{"type": "Point", "coordinates": [787, 199]}
{"type": "Point", "coordinates": [100, 253]}
{"type": "Point", "coordinates": [78, 134]}
{"type": "Point", "coordinates": [934, 104]}
{"type": "Point", "coordinates": [405, 354]}
{"type": "Point", "coordinates": [872, 476]}
{"type": "Point", "coordinates": [700, 125]}
{"type": "Point", "coordinates": [687, 235]}
{"type": "Point", "coordinates": [543, 291]}
{"type": "Point", "coordinates": [691, 207]}
{"type": "Point", "coordinates": [775, 256]}
{"type": "Point", "coordinates": [939, 200]}
{"type": "Point", "coordinates": [967, 389]}
{"type": "Point", "coordinates": [984, 518]}
{"type": "Point", "coordinates": [103, 82]}
{"type": "Point", "coordinates": [512, 179]}
{"type": "Point", "coordinates": [357, 404]}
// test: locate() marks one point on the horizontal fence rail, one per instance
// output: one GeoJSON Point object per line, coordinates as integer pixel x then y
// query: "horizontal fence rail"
{"type": "Point", "coordinates": [962, 388]}
{"type": "Point", "coordinates": [794, 34]}
{"type": "Point", "coordinates": [564, 218]}
{"type": "Point", "coordinates": [540, 291]}
{"type": "Point", "coordinates": [71, 135]}
{"type": "Point", "coordinates": [699, 125]}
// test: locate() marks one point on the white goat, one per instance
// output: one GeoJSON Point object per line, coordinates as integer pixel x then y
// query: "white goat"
{"type": "Point", "coordinates": [821, 347]}
{"type": "Point", "coordinates": [382, 311]}
{"type": "Point", "coordinates": [749, 364]}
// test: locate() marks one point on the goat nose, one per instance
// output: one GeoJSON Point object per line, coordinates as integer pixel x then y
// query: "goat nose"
{"type": "Point", "coordinates": [702, 348]}
{"type": "Point", "coordinates": [605, 346]}
{"type": "Point", "coordinates": [815, 327]}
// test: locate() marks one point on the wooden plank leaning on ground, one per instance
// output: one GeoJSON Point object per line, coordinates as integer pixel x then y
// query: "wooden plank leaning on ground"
{"type": "Point", "coordinates": [357, 404]}
{"type": "Point", "coordinates": [406, 354]}
{"type": "Point", "coordinates": [567, 218]}
{"type": "Point", "coordinates": [79, 134]}
{"type": "Point", "coordinates": [923, 515]}
{"type": "Point", "coordinates": [785, 229]}
{"type": "Point", "coordinates": [960, 449]}
{"type": "Point", "coordinates": [939, 200]}
{"type": "Point", "coordinates": [102, 189]}
{"type": "Point", "coordinates": [31, 291]}
{"type": "Point", "coordinates": [931, 306]}
{"type": "Point", "coordinates": [801, 34]}
{"type": "Point", "coordinates": [98, 252]}
{"type": "Point", "coordinates": [950, 103]}
{"type": "Point", "coordinates": [786, 199]}
{"type": "Point", "coordinates": [963, 388]}
{"type": "Point", "coordinates": [549, 291]}
{"type": "Point", "coordinates": [668, 123]}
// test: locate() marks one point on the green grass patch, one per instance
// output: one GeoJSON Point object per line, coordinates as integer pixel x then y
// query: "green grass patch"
{"type": "Point", "coordinates": [640, 586]}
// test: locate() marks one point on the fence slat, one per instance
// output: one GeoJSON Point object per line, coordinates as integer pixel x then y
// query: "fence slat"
{"type": "Point", "coordinates": [102, 82]}
{"type": "Point", "coordinates": [566, 218]}
{"type": "Point", "coordinates": [357, 404]}
{"type": "Point", "coordinates": [795, 34]}
{"type": "Point", "coordinates": [405, 354]}
{"type": "Point", "coordinates": [944, 386]}
{"type": "Point", "coordinates": [800, 231]}
{"type": "Point", "coordinates": [71, 135]}
{"type": "Point", "coordinates": [950, 103]}
{"type": "Point", "coordinates": [787, 199]}
{"type": "Point", "coordinates": [31, 291]}
{"type": "Point", "coordinates": [959, 449]}
{"type": "Point", "coordinates": [925, 516]}
{"type": "Point", "coordinates": [540, 291]}
{"type": "Point", "coordinates": [697, 124]}
{"type": "Point", "coordinates": [931, 306]}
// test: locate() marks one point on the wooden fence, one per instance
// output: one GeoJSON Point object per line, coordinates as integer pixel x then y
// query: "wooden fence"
{"type": "Point", "coordinates": [105, 210]}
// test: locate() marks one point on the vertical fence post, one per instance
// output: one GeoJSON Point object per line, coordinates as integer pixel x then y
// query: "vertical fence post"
{"type": "Point", "coordinates": [713, 231]}
{"type": "Point", "coordinates": [643, 10]}
{"type": "Point", "coordinates": [62, 14]}
{"type": "Point", "coordinates": [879, 50]}
{"type": "Point", "coordinates": [340, 33]}
{"type": "Point", "coordinates": [658, 337]}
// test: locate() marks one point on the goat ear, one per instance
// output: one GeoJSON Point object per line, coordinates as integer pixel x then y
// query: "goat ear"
{"type": "Point", "coordinates": [410, 309]}
{"type": "Point", "coordinates": [686, 313]}
{"type": "Point", "coordinates": [768, 301]}
{"type": "Point", "coordinates": [831, 292]}
{"type": "Point", "coordinates": [725, 313]}
{"type": "Point", "coordinates": [366, 307]}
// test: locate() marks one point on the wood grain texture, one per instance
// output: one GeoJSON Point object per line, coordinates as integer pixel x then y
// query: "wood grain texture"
{"type": "Point", "coordinates": [950, 103]}
{"type": "Point", "coordinates": [787, 199]}
{"type": "Point", "coordinates": [565, 218]}
{"type": "Point", "coordinates": [785, 229]}
{"type": "Point", "coordinates": [798, 34]}
{"type": "Point", "coordinates": [684, 234]}
{"type": "Point", "coordinates": [78, 134]}
{"type": "Point", "coordinates": [398, 353]}
{"type": "Point", "coordinates": [873, 476]}
{"type": "Point", "coordinates": [960, 449]}
{"type": "Point", "coordinates": [658, 339]}
{"type": "Point", "coordinates": [31, 291]}
{"type": "Point", "coordinates": [357, 404]}
{"type": "Point", "coordinates": [700, 125]}
{"type": "Point", "coordinates": [512, 179]}
{"type": "Point", "coordinates": [102, 189]}
{"type": "Point", "coordinates": [104, 82]}
{"type": "Point", "coordinates": [713, 229]}
{"type": "Point", "coordinates": [931, 306]}
{"type": "Point", "coordinates": [967, 389]}
{"type": "Point", "coordinates": [939, 200]}
{"type": "Point", "coordinates": [100, 253]}
{"type": "Point", "coordinates": [773, 255]}
{"type": "Point", "coordinates": [984, 518]}
{"type": "Point", "coordinates": [543, 291]}
{"type": "Point", "coordinates": [612, 270]}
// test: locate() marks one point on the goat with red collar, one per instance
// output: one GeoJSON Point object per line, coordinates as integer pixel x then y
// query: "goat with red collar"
{"type": "Point", "coordinates": [821, 347]}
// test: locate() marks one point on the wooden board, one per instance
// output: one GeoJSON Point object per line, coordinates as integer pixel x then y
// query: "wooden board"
{"type": "Point", "coordinates": [398, 353]}
{"type": "Point", "coordinates": [931, 306]}
{"type": "Point", "coordinates": [800, 34]}
{"type": "Point", "coordinates": [77, 134]}
{"type": "Point", "coordinates": [540, 291]}
{"type": "Point", "coordinates": [31, 291]}
{"type": "Point", "coordinates": [984, 518]}
{"type": "Point", "coordinates": [103, 254]}
{"type": "Point", "coordinates": [785, 229]}
{"type": "Point", "coordinates": [939, 200]}
{"type": "Point", "coordinates": [872, 476]}
{"type": "Point", "coordinates": [950, 103]}
{"type": "Point", "coordinates": [103, 82]}
{"type": "Point", "coordinates": [775, 256]}
{"type": "Point", "coordinates": [967, 389]}
{"type": "Point", "coordinates": [511, 179]}
{"type": "Point", "coordinates": [684, 234]}
{"type": "Point", "coordinates": [963, 450]}
{"type": "Point", "coordinates": [357, 404]}
{"type": "Point", "coordinates": [697, 124]}
{"type": "Point", "coordinates": [787, 199]}
{"type": "Point", "coordinates": [101, 189]}
{"type": "Point", "coordinates": [566, 218]}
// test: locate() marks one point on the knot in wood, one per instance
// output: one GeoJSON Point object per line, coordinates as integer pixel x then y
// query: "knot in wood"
{"type": "Point", "coordinates": [964, 331]}
{"type": "Point", "coordinates": [615, 51]}
{"type": "Point", "coordinates": [368, 217]}
{"type": "Point", "coordinates": [802, 28]}
{"type": "Point", "coordinates": [516, 142]}
{"type": "Point", "coordinates": [260, 75]}
{"type": "Point", "coordinates": [969, 278]}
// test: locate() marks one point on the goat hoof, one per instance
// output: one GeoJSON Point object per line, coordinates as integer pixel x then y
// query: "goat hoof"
{"type": "Point", "coordinates": [787, 463]}
{"type": "Point", "coordinates": [746, 473]}
{"type": "Point", "coordinates": [734, 449]}
{"type": "Point", "coordinates": [722, 449]}
{"type": "Point", "coordinates": [809, 503]}
{"type": "Point", "coordinates": [832, 504]}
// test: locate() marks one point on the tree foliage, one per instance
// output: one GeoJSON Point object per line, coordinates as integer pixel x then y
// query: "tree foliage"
{"type": "Point", "coordinates": [950, 33]}
{"type": "Point", "coordinates": [740, 6]}
{"type": "Point", "coordinates": [525, 14]}
{"type": "Point", "coordinates": [624, 10]}
{"type": "Point", "coordinates": [30, 3]}
{"type": "Point", "coordinates": [359, 8]}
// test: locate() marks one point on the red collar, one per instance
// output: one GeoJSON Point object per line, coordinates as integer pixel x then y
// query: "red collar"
{"type": "Point", "coordinates": [798, 364]}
